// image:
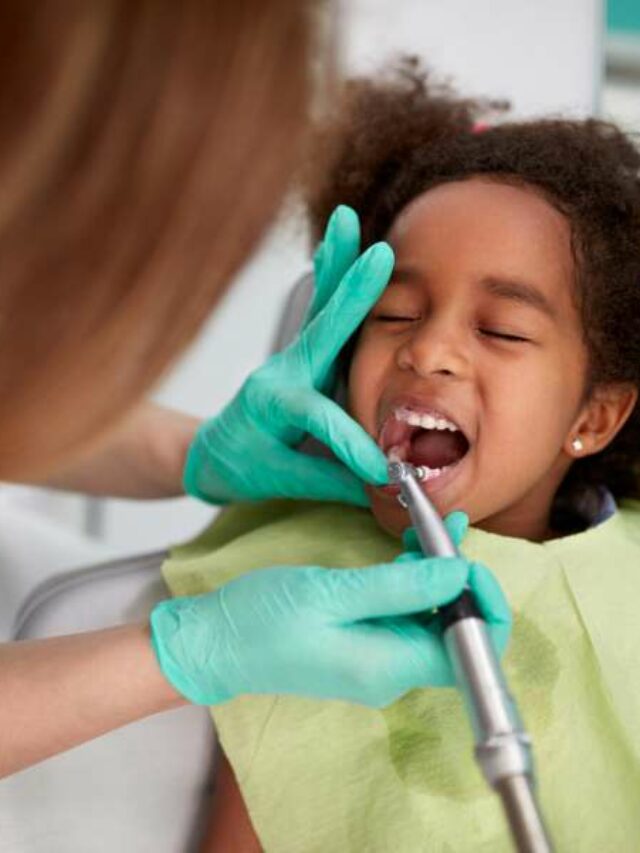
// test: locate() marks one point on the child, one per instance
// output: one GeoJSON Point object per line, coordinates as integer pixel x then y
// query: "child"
{"type": "Point", "coordinates": [505, 357]}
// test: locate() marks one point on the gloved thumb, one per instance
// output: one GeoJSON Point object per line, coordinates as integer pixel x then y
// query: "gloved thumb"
{"type": "Point", "coordinates": [457, 524]}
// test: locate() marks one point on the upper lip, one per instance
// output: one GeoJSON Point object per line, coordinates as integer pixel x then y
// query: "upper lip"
{"type": "Point", "coordinates": [427, 405]}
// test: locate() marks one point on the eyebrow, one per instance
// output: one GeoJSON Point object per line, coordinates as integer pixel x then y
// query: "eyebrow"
{"type": "Point", "coordinates": [503, 288]}
{"type": "Point", "coordinates": [519, 291]}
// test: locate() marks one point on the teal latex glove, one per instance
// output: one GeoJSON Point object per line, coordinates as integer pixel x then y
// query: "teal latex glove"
{"type": "Point", "coordinates": [334, 257]}
{"type": "Point", "coordinates": [246, 452]}
{"type": "Point", "coordinates": [485, 588]}
{"type": "Point", "coordinates": [324, 633]}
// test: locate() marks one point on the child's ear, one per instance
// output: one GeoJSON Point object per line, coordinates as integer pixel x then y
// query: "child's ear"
{"type": "Point", "coordinates": [600, 419]}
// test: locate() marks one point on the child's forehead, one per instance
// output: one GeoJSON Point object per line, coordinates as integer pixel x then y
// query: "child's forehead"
{"type": "Point", "coordinates": [499, 200]}
{"type": "Point", "coordinates": [483, 221]}
{"type": "Point", "coordinates": [480, 231]}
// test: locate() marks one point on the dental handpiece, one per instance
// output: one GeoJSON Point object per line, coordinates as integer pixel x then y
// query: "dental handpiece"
{"type": "Point", "coordinates": [502, 746]}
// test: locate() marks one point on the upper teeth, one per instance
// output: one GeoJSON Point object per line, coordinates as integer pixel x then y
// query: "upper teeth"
{"type": "Point", "coordinates": [424, 421]}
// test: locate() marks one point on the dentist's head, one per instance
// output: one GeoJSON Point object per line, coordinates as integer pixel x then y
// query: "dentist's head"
{"type": "Point", "coordinates": [144, 147]}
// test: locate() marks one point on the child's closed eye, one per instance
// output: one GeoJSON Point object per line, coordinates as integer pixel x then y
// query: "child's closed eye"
{"type": "Point", "coordinates": [395, 318]}
{"type": "Point", "coordinates": [408, 317]}
{"type": "Point", "coordinates": [504, 336]}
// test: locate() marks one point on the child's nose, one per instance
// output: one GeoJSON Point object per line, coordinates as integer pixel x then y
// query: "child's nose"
{"type": "Point", "coordinates": [435, 347]}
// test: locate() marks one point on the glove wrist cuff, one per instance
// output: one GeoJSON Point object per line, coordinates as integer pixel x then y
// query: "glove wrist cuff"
{"type": "Point", "coordinates": [196, 464]}
{"type": "Point", "coordinates": [165, 627]}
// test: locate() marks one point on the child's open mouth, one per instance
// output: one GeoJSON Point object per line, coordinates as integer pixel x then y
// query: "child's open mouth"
{"type": "Point", "coordinates": [426, 439]}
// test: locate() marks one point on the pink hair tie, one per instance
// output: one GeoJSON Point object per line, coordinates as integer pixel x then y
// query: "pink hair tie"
{"type": "Point", "coordinates": [480, 127]}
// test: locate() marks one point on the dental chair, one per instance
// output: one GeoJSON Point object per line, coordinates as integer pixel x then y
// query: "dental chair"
{"type": "Point", "coordinates": [144, 788]}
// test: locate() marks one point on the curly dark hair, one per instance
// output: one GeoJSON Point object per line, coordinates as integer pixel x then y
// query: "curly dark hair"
{"type": "Point", "coordinates": [395, 137]}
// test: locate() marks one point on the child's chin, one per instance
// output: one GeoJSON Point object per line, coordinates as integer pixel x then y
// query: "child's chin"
{"type": "Point", "coordinates": [391, 517]}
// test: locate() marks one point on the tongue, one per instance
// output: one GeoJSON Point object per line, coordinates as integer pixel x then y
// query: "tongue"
{"type": "Point", "coordinates": [436, 448]}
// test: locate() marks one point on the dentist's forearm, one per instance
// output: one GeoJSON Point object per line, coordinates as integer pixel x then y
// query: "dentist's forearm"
{"type": "Point", "coordinates": [61, 692]}
{"type": "Point", "coordinates": [143, 458]}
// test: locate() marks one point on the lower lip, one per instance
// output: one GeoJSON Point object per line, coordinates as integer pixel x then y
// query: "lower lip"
{"type": "Point", "coordinates": [432, 486]}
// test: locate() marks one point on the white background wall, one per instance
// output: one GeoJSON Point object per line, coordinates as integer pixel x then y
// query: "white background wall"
{"type": "Point", "coordinates": [544, 55]}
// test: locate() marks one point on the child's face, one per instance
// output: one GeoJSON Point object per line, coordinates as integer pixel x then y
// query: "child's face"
{"type": "Point", "coordinates": [478, 326]}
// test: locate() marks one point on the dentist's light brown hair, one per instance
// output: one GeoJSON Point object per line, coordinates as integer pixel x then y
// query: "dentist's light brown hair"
{"type": "Point", "coordinates": [144, 147]}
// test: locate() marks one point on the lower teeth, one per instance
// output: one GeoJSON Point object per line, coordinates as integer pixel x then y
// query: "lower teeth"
{"type": "Point", "coordinates": [425, 473]}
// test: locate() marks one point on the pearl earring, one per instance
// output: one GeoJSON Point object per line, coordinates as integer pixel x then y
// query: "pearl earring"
{"type": "Point", "coordinates": [577, 445]}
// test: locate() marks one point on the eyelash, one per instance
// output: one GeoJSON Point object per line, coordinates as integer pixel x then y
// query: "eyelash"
{"type": "Point", "coordinates": [489, 333]}
{"type": "Point", "coordinates": [388, 318]}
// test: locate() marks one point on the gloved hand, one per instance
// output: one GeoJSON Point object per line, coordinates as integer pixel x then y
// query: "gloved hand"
{"type": "Point", "coordinates": [485, 589]}
{"type": "Point", "coordinates": [245, 452]}
{"type": "Point", "coordinates": [325, 633]}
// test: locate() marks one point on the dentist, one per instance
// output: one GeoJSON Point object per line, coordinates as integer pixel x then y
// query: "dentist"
{"type": "Point", "coordinates": [145, 146]}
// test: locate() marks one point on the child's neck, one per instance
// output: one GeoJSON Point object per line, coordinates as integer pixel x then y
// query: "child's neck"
{"type": "Point", "coordinates": [520, 524]}
{"type": "Point", "coordinates": [530, 516]}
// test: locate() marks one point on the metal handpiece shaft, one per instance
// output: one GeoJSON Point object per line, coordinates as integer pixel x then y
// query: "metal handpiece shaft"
{"type": "Point", "coordinates": [431, 532]}
{"type": "Point", "coordinates": [503, 748]}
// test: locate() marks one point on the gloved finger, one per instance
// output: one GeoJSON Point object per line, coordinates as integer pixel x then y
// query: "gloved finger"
{"type": "Point", "coordinates": [492, 604]}
{"type": "Point", "coordinates": [385, 590]}
{"type": "Point", "coordinates": [457, 524]}
{"type": "Point", "coordinates": [356, 294]}
{"type": "Point", "coordinates": [487, 592]}
{"type": "Point", "coordinates": [326, 421]}
{"type": "Point", "coordinates": [427, 662]}
{"type": "Point", "coordinates": [399, 655]}
{"type": "Point", "coordinates": [409, 556]}
{"type": "Point", "coordinates": [341, 249]}
{"type": "Point", "coordinates": [489, 597]}
{"type": "Point", "coordinates": [318, 260]}
{"type": "Point", "coordinates": [304, 477]}
{"type": "Point", "coordinates": [410, 541]}
{"type": "Point", "coordinates": [337, 252]}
